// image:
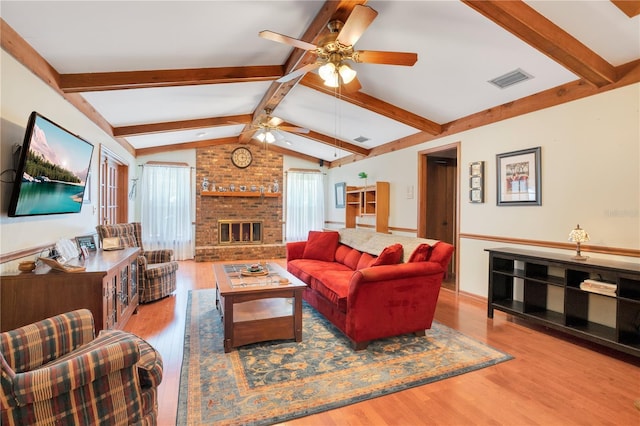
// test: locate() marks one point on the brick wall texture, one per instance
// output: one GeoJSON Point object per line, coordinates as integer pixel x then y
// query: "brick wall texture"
{"type": "Point", "coordinates": [215, 164]}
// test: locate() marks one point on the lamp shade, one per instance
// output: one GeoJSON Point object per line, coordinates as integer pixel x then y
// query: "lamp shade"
{"type": "Point", "coordinates": [327, 71]}
{"type": "Point", "coordinates": [346, 73]}
{"type": "Point", "coordinates": [578, 235]}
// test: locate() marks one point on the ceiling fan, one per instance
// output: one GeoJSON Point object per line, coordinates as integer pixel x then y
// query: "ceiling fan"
{"type": "Point", "coordinates": [337, 47]}
{"type": "Point", "coordinates": [266, 130]}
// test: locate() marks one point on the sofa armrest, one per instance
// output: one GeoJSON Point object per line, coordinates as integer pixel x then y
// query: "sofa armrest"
{"type": "Point", "coordinates": [295, 250]}
{"type": "Point", "coordinates": [158, 256]}
{"type": "Point", "coordinates": [392, 299]}
{"type": "Point", "coordinates": [36, 344]}
{"type": "Point", "coordinates": [59, 378]}
{"type": "Point", "coordinates": [397, 271]}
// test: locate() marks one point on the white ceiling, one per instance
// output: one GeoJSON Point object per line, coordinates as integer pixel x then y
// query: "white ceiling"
{"type": "Point", "coordinates": [458, 49]}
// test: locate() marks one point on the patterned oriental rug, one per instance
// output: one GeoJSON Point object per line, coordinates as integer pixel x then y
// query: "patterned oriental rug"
{"type": "Point", "coordinates": [272, 382]}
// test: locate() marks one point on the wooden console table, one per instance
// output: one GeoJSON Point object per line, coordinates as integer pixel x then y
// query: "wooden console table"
{"type": "Point", "coordinates": [545, 288]}
{"type": "Point", "coordinates": [108, 288]}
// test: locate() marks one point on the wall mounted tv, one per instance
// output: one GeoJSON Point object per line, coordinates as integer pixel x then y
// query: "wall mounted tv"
{"type": "Point", "coordinates": [52, 171]}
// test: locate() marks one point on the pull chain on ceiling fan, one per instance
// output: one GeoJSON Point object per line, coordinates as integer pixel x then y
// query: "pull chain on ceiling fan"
{"type": "Point", "coordinates": [336, 49]}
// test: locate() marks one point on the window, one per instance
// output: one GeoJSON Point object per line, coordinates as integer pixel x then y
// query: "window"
{"type": "Point", "coordinates": [166, 209]}
{"type": "Point", "coordinates": [305, 203]}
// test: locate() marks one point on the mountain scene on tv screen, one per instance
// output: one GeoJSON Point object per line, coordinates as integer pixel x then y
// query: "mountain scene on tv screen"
{"type": "Point", "coordinates": [55, 171]}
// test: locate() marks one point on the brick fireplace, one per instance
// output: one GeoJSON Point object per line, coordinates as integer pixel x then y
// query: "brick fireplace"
{"type": "Point", "coordinates": [243, 209]}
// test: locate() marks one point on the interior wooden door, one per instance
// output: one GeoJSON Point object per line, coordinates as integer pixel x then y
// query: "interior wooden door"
{"type": "Point", "coordinates": [441, 178]}
{"type": "Point", "coordinates": [113, 189]}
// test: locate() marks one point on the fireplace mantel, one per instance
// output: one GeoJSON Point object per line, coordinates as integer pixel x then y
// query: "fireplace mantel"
{"type": "Point", "coordinates": [239, 194]}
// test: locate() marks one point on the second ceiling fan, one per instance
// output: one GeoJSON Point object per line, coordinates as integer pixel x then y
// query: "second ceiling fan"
{"type": "Point", "coordinates": [266, 130]}
{"type": "Point", "coordinates": [336, 49]}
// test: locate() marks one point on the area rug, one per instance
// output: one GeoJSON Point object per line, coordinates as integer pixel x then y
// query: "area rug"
{"type": "Point", "coordinates": [272, 382]}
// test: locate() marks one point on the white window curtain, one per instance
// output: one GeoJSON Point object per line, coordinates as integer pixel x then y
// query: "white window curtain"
{"type": "Point", "coordinates": [166, 210]}
{"type": "Point", "coordinates": [305, 204]}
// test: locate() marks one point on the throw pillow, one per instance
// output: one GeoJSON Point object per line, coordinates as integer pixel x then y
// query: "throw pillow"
{"type": "Point", "coordinates": [421, 253]}
{"type": "Point", "coordinates": [321, 245]}
{"type": "Point", "coordinates": [365, 260]}
{"type": "Point", "coordinates": [352, 259]}
{"type": "Point", "coordinates": [389, 256]}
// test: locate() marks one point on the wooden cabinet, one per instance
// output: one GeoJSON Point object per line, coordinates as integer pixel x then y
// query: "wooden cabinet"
{"type": "Point", "coordinates": [372, 200]}
{"type": "Point", "coordinates": [549, 289]}
{"type": "Point", "coordinates": [108, 288]}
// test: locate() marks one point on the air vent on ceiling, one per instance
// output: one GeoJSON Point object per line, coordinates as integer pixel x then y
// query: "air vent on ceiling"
{"type": "Point", "coordinates": [361, 139]}
{"type": "Point", "coordinates": [511, 78]}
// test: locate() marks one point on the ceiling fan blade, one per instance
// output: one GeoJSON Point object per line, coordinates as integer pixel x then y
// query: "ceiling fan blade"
{"type": "Point", "coordinates": [353, 86]}
{"type": "Point", "coordinates": [293, 129]}
{"type": "Point", "coordinates": [356, 24]}
{"type": "Point", "coordinates": [298, 72]}
{"type": "Point", "coordinates": [388, 58]}
{"type": "Point", "coordinates": [280, 38]}
{"type": "Point", "coordinates": [274, 122]}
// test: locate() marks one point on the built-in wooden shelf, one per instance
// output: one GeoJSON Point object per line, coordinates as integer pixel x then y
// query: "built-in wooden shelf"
{"type": "Point", "coordinates": [239, 194]}
{"type": "Point", "coordinates": [368, 201]}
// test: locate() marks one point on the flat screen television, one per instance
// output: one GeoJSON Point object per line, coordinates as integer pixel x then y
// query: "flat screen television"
{"type": "Point", "coordinates": [52, 170]}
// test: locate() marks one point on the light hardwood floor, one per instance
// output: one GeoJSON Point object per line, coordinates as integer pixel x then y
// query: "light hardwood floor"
{"type": "Point", "coordinates": [553, 380]}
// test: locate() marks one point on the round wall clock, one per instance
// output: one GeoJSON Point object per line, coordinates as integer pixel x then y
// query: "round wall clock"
{"type": "Point", "coordinates": [241, 157]}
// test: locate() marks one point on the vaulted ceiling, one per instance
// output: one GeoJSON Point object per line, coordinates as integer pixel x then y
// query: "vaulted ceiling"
{"type": "Point", "coordinates": [169, 75]}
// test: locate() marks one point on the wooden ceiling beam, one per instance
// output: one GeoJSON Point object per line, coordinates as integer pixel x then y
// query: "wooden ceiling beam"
{"type": "Point", "coordinates": [299, 57]}
{"type": "Point", "coordinates": [376, 105]}
{"type": "Point", "coordinates": [534, 29]}
{"type": "Point", "coordinates": [285, 151]}
{"type": "Point", "coordinates": [333, 142]}
{"type": "Point", "coordinates": [631, 8]}
{"type": "Point", "coordinates": [199, 123]}
{"type": "Point", "coordinates": [559, 95]}
{"type": "Point", "coordinates": [90, 82]}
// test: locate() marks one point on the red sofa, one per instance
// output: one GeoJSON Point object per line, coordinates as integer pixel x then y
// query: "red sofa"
{"type": "Point", "coordinates": [371, 285]}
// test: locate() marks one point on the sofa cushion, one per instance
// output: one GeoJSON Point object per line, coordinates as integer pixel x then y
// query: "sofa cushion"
{"type": "Point", "coordinates": [321, 245]}
{"type": "Point", "coordinates": [341, 253]}
{"type": "Point", "coordinates": [441, 254]}
{"type": "Point", "coordinates": [334, 285]}
{"type": "Point", "coordinates": [421, 253]}
{"type": "Point", "coordinates": [389, 256]}
{"type": "Point", "coordinates": [352, 259]}
{"type": "Point", "coordinates": [365, 261]}
{"type": "Point", "coordinates": [306, 269]}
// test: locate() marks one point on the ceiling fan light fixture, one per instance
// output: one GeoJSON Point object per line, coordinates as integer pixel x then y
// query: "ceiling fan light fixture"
{"type": "Point", "coordinates": [327, 71]}
{"type": "Point", "coordinates": [269, 137]}
{"type": "Point", "coordinates": [346, 73]}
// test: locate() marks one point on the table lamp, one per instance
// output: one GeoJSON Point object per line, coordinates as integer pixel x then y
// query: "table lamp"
{"type": "Point", "coordinates": [578, 235]}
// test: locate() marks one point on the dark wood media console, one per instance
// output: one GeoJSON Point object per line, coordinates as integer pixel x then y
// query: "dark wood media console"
{"type": "Point", "coordinates": [545, 288]}
{"type": "Point", "coordinates": [108, 288]}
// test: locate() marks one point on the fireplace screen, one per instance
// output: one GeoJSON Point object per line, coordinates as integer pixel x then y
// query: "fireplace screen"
{"type": "Point", "coordinates": [239, 232]}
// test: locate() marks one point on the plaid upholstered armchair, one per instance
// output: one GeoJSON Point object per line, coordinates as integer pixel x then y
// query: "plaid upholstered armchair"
{"type": "Point", "coordinates": [156, 269]}
{"type": "Point", "coordinates": [56, 372]}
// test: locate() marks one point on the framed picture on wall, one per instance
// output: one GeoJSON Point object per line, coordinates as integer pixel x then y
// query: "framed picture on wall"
{"type": "Point", "coordinates": [476, 182]}
{"type": "Point", "coordinates": [340, 189]}
{"type": "Point", "coordinates": [518, 178]}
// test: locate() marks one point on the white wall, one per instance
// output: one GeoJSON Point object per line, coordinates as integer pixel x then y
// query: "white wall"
{"type": "Point", "coordinates": [21, 93]}
{"type": "Point", "coordinates": [590, 175]}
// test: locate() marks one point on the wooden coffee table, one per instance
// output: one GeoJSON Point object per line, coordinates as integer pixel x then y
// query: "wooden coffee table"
{"type": "Point", "coordinates": [257, 308]}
